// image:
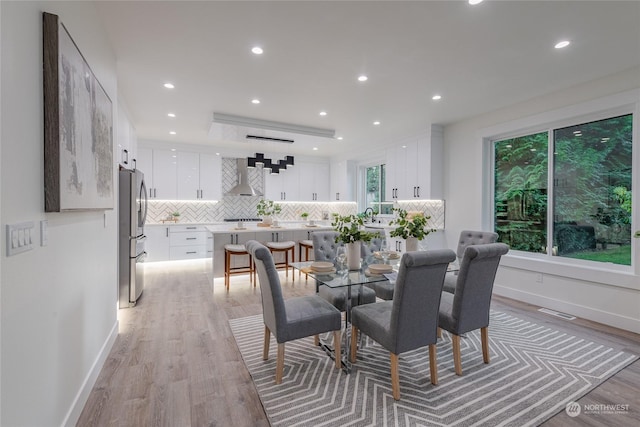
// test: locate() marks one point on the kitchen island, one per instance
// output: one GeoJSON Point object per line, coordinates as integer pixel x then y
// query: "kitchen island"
{"type": "Point", "coordinates": [224, 234]}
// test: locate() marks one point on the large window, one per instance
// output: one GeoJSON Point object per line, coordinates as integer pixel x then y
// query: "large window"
{"type": "Point", "coordinates": [589, 203]}
{"type": "Point", "coordinates": [374, 180]}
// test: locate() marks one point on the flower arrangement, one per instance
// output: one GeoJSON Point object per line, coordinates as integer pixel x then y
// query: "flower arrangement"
{"type": "Point", "coordinates": [268, 207]}
{"type": "Point", "coordinates": [350, 229]}
{"type": "Point", "coordinates": [175, 214]}
{"type": "Point", "coordinates": [304, 215]}
{"type": "Point", "coordinates": [410, 226]}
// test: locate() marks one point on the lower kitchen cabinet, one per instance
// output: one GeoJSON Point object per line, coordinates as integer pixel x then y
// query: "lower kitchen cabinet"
{"type": "Point", "coordinates": [157, 243]}
{"type": "Point", "coordinates": [178, 242]}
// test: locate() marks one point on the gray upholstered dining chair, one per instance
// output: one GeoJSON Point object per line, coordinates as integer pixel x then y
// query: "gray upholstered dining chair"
{"type": "Point", "coordinates": [410, 321]}
{"type": "Point", "coordinates": [384, 289]}
{"type": "Point", "coordinates": [468, 308]}
{"type": "Point", "coordinates": [293, 318]}
{"type": "Point", "coordinates": [467, 238]}
{"type": "Point", "coordinates": [324, 249]}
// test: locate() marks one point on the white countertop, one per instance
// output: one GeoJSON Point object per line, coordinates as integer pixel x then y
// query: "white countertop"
{"type": "Point", "coordinates": [251, 227]}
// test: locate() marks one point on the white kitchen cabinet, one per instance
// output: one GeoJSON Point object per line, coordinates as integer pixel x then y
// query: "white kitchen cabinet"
{"type": "Point", "coordinates": [160, 171]}
{"type": "Point", "coordinates": [188, 175]}
{"type": "Point", "coordinates": [199, 176]}
{"type": "Point", "coordinates": [284, 185]}
{"type": "Point", "coordinates": [210, 177]}
{"type": "Point", "coordinates": [341, 190]}
{"type": "Point", "coordinates": [157, 243]}
{"type": "Point", "coordinates": [126, 139]}
{"type": "Point", "coordinates": [395, 173]}
{"type": "Point", "coordinates": [188, 242]}
{"type": "Point", "coordinates": [411, 166]}
{"type": "Point", "coordinates": [144, 162]}
{"type": "Point", "coordinates": [314, 181]}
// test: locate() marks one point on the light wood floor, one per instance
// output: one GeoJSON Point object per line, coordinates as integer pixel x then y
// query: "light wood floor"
{"type": "Point", "coordinates": [175, 362]}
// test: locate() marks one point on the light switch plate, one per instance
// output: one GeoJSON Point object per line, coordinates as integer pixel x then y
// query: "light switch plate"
{"type": "Point", "coordinates": [19, 237]}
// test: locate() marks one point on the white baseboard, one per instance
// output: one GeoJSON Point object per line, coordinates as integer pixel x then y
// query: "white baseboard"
{"type": "Point", "coordinates": [607, 318]}
{"type": "Point", "coordinates": [77, 406]}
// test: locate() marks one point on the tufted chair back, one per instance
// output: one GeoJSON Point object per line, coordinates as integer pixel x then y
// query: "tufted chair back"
{"type": "Point", "coordinates": [470, 238]}
{"type": "Point", "coordinates": [324, 245]}
{"type": "Point", "coordinates": [368, 248]}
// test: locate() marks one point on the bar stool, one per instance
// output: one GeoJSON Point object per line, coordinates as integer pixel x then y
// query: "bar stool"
{"type": "Point", "coordinates": [231, 250]}
{"type": "Point", "coordinates": [308, 246]}
{"type": "Point", "coordinates": [284, 247]}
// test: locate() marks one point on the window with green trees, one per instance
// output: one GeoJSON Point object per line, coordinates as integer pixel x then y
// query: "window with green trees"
{"type": "Point", "coordinates": [375, 189]}
{"type": "Point", "coordinates": [590, 212]}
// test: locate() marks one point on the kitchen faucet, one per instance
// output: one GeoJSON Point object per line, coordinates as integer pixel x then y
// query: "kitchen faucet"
{"type": "Point", "coordinates": [372, 214]}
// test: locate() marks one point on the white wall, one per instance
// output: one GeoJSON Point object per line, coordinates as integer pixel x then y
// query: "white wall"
{"type": "Point", "coordinates": [588, 294]}
{"type": "Point", "coordinates": [58, 307]}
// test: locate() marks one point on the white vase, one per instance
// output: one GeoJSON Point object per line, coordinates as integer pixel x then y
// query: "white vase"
{"type": "Point", "coordinates": [411, 245]}
{"type": "Point", "coordinates": [267, 219]}
{"type": "Point", "coordinates": [353, 255]}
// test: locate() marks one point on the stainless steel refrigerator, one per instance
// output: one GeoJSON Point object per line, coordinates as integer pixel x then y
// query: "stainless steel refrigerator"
{"type": "Point", "coordinates": [133, 214]}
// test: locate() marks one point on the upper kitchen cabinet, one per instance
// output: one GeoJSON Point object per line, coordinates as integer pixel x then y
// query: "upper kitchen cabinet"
{"type": "Point", "coordinates": [341, 188]}
{"type": "Point", "coordinates": [314, 181]}
{"type": "Point", "coordinates": [198, 176]}
{"type": "Point", "coordinates": [210, 177]}
{"type": "Point", "coordinates": [414, 167]}
{"type": "Point", "coordinates": [160, 172]}
{"type": "Point", "coordinates": [284, 185]}
{"type": "Point", "coordinates": [126, 139]}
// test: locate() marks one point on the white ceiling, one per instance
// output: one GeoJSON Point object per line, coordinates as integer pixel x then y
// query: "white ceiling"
{"type": "Point", "coordinates": [479, 58]}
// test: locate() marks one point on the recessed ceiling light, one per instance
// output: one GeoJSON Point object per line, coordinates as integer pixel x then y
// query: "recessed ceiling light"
{"type": "Point", "coordinates": [255, 101]}
{"type": "Point", "coordinates": [363, 78]}
{"type": "Point", "coordinates": [315, 148]}
{"type": "Point", "coordinates": [169, 85]}
{"type": "Point", "coordinates": [474, 2]}
{"type": "Point", "coordinates": [563, 43]}
{"type": "Point", "coordinates": [436, 97]}
{"type": "Point", "coordinates": [171, 115]}
{"type": "Point", "coordinates": [217, 154]}
{"type": "Point", "coordinates": [340, 138]}
{"type": "Point", "coordinates": [323, 113]}
{"type": "Point", "coordinates": [376, 123]}
{"type": "Point", "coordinates": [257, 50]}
{"type": "Point", "coordinates": [173, 132]}
{"type": "Point", "coordinates": [173, 149]}
{"type": "Point", "coordinates": [404, 146]}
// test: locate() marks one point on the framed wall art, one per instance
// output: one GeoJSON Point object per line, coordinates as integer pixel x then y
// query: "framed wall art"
{"type": "Point", "coordinates": [78, 127]}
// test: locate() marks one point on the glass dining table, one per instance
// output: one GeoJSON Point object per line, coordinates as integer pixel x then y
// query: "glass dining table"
{"type": "Point", "coordinates": [352, 281]}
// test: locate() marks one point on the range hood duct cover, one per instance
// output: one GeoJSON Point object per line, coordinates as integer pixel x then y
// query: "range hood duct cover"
{"type": "Point", "coordinates": [243, 188]}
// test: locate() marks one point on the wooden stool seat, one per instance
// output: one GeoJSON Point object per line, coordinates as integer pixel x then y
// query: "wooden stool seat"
{"type": "Point", "coordinates": [308, 246]}
{"type": "Point", "coordinates": [286, 247]}
{"type": "Point", "coordinates": [240, 250]}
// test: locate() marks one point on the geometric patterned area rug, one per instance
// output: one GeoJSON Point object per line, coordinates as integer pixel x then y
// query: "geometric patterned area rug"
{"type": "Point", "coordinates": [534, 373]}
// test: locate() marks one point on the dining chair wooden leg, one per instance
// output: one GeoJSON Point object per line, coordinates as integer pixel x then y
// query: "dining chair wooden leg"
{"type": "Point", "coordinates": [338, 349]}
{"type": "Point", "coordinates": [433, 365]}
{"type": "Point", "coordinates": [265, 349]}
{"type": "Point", "coordinates": [354, 344]}
{"type": "Point", "coordinates": [457, 363]}
{"type": "Point", "coordinates": [395, 379]}
{"type": "Point", "coordinates": [439, 333]}
{"type": "Point", "coordinates": [484, 336]}
{"type": "Point", "coordinates": [227, 257]}
{"type": "Point", "coordinates": [316, 340]}
{"type": "Point", "coordinates": [280, 363]}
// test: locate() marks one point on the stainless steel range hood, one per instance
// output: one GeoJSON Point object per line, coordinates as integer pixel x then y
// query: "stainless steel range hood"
{"type": "Point", "coordinates": [243, 188]}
